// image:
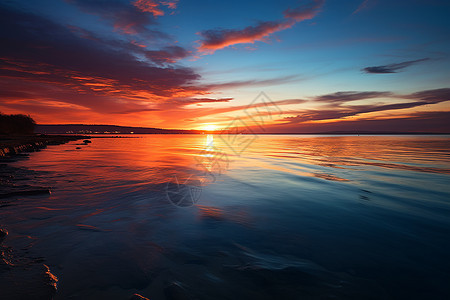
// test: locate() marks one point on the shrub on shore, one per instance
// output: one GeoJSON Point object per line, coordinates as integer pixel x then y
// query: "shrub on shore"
{"type": "Point", "coordinates": [16, 124]}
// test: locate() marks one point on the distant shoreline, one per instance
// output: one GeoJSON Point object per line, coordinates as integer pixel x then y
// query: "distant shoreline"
{"type": "Point", "coordinates": [129, 135]}
{"type": "Point", "coordinates": [97, 130]}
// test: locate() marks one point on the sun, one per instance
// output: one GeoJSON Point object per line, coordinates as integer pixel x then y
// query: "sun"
{"type": "Point", "coordinates": [210, 127]}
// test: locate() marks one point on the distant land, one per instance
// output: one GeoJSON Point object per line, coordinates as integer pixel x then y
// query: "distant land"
{"type": "Point", "coordinates": [115, 129]}
{"type": "Point", "coordinates": [106, 129]}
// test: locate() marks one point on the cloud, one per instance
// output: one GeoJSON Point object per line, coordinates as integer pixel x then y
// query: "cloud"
{"type": "Point", "coordinates": [435, 121]}
{"type": "Point", "coordinates": [169, 54]}
{"type": "Point", "coordinates": [125, 17]}
{"type": "Point", "coordinates": [153, 6]}
{"type": "Point", "coordinates": [47, 61]}
{"type": "Point", "coordinates": [241, 83]}
{"type": "Point", "coordinates": [432, 96]}
{"type": "Point", "coordinates": [178, 111]}
{"type": "Point", "coordinates": [215, 39]}
{"type": "Point", "coordinates": [340, 110]}
{"type": "Point", "coordinates": [305, 11]}
{"type": "Point", "coordinates": [180, 102]}
{"type": "Point", "coordinates": [364, 5]}
{"type": "Point", "coordinates": [163, 56]}
{"type": "Point", "coordinates": [341, 97]}
{"type": "Point", "coordinates": [329, 112]}
{"type": "Point", "coordinates": [73, 70]}
{"type": "Point", "coordinates": [392, 68]}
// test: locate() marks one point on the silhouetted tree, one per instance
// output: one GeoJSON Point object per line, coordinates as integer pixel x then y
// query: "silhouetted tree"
{"type": "Point", "coordinates": [16, 124]}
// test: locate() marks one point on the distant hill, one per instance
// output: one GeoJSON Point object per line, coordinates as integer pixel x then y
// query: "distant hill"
{"type": "Point", "coordinates": [105, 129]}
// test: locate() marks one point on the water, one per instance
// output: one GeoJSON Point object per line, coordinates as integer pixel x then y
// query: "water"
{"type": "Point", "coordinates": [291, 217]}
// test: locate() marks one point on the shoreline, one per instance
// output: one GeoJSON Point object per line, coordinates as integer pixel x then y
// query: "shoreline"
{"type": "Point", "coordinates": [13, 145]}
{"type": "Point", "coordinates": [35, 276]}
{"type": "Point", "coordinates": [11, 149]}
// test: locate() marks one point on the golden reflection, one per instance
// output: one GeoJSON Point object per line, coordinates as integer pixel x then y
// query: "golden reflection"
{"type": "Point", "coordinates": [211, 159]}
{"type": "Point", "coordinates": [210, 143]}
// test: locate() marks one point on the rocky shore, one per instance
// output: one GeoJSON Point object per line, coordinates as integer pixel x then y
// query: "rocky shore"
{"type": "Point", "coordinates": [22, 276]}
{"type": "Point", "coordinates": [11, 145]}
{"type": "Point", "coordinates": [10, 149]}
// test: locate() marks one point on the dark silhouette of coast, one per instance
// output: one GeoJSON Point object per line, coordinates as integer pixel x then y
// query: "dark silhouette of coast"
{"type": "Point", "coordinates": [15, 144]}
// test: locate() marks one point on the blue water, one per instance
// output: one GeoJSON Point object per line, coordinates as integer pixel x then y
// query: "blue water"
{"type": "Point", "coordinates": [290, 217]}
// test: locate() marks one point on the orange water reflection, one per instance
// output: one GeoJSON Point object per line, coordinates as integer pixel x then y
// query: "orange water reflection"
{"type": "Point", "coordinates": [287, 195]}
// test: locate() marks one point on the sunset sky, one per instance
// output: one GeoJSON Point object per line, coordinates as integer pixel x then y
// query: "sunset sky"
{"type": "Point", "coordinates": [326, 65]}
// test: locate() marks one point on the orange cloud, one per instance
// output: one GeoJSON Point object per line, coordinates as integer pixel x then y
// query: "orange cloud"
{"type": "Point", "coordinates": [216, 39]}
{"type": "Point", "coordinates": [153, 6]}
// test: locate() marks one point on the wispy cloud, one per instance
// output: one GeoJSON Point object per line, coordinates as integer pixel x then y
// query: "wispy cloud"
{"type": "Point", "coordinates": [342, 97]}
{"type": "Point", "coordinates": [416, 122]}
{"type": "Point", "coordinates": [167, 55]}
{"type": "Point", "coordinates": [392, 68]}
{"type": "Point", "coordinates": [432, 96]}
{"type": "Point", "coordinates": [364, 5]}
{"type": "Point", "coordinates": [331, 109]}
{"type": "Point", "coordinates": [154, 6]}
{"type": "Point", "coordinates": [215, 39]}
{"type": "Point", "coordinates": [125, 17]}
{"type": "Point", "coordinates": [255, 82]}
{"type": "Point", "coordinates": [338, 106]}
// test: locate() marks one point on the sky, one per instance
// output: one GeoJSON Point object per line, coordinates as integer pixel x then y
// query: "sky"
{"type": "Point", "coordinates": [271, 66]}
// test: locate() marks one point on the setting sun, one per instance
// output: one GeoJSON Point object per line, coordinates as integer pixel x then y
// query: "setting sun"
{"type": "Point", "coordinates": [210, 127]}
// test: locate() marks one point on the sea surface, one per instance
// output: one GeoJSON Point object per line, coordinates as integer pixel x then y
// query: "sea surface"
{"type": "Point", "coordinates": [240, 217]}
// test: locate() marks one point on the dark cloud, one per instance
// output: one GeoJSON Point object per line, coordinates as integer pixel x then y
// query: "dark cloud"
{"type": "Point", "coordinates": [334, 106]}
{"type": "Point", "coordinates": [340, 109]}
{"type": "Point", "coordinates": [341, 97]}
{"type": "Point", "coordinates": [169, 54]}
{"type": "Point", "coordinates": [432, 96]}
{"type": "Point", "coordinates": [58, 67]}
{"type": "Point", "coordinates": [438, 122]}
{"type": "Point", "coordinates": [124, 16]}
{"type": "Point", "coordinates": [80, 69]}
{"type": "Point", "coordinates": [164, 56]}
{"type": "Point", "coordinates": [392, 68]}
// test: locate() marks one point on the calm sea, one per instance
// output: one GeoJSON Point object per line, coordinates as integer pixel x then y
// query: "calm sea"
{"type": "Point", "coordinates": [241, 217]}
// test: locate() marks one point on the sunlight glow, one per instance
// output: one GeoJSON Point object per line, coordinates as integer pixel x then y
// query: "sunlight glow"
{"type": "Point", "coordinates": [210, 127]}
